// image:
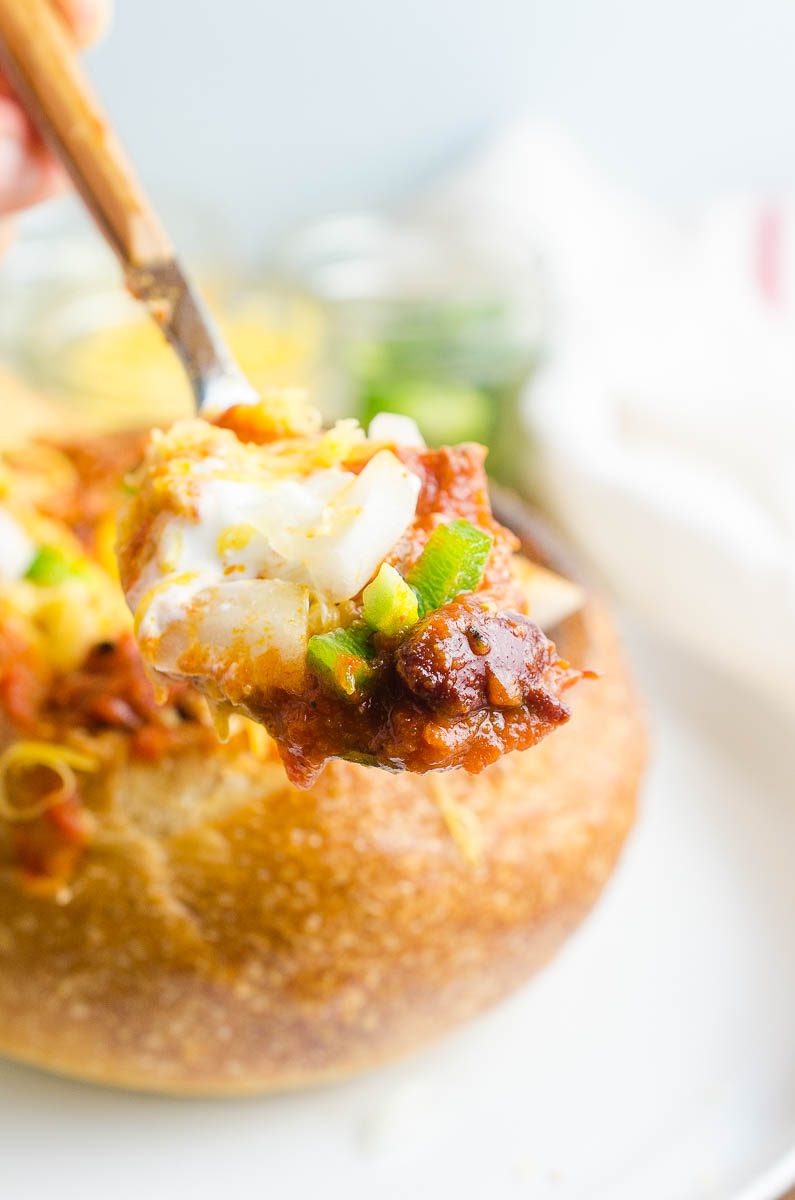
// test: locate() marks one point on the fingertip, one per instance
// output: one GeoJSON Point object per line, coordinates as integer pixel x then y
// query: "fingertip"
{"type": "Point", "coordinates": [53, 179]}
{"type": "Point", "coordinates": [88, 19]}
{"type": "Point", "coordinates": [28, 175]}
{"type": "Point", "coordinates": [13, 122]}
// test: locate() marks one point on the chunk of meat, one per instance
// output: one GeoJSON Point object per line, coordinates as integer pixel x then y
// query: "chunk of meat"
{"type": "Point", "coordinates": [464, 657]}
{"type": "Point", "coordinates": [112, 690]}
{"type": "Point", "coordinates": [23, 678]}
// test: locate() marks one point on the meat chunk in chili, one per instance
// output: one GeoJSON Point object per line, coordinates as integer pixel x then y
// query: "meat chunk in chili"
{"type": "Point", "coordinates": [465, 657]}
{"type": "Point", "coordinates": [467, 685]}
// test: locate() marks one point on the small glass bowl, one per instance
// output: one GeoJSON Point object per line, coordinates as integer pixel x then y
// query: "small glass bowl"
{"type": "Point", "coordinates": [421, 322]}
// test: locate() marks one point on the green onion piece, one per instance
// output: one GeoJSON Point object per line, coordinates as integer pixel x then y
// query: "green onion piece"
{"type": "Point", "coordinates": [389, 604]}
{"type": "Point", "coordinates": [343, 656]}
{"type": "Point", "coordinates": [452, 562]}
{"type": "Point", "coordinates": [51, 566]}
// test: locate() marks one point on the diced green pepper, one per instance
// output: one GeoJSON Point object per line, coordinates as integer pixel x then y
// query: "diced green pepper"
{"type": "Point", "coordinates": [51, 566]}
{"type": "Point", "coordinates": [343, 656]}
{"type": "Point", "coordinates": [389, 604]}
{"type": "Point", "coordinates": [452, 562]}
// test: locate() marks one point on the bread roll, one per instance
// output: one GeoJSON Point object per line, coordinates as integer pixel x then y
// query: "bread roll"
{"type": "Point", "coordinates": [225, 932]}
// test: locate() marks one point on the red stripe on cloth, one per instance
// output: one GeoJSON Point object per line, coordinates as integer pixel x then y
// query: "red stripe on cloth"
{"type": "Point", "coordinates": [769, 254]}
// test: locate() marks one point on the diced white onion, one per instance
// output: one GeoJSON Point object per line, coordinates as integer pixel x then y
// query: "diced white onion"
{"type": "Point", "coordinates": [396, 430]}
{"type": "Point", "coordinates": [361, 525]}
{"type": "Point", "coordinates": [17, 551]}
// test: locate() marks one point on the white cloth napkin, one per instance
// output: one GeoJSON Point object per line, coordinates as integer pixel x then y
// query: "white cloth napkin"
{"type": "Point", "coordinates": [663, 422]}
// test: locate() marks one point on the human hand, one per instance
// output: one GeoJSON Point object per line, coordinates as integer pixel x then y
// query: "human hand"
{"type": "Point", "coordinates": [28, 173]}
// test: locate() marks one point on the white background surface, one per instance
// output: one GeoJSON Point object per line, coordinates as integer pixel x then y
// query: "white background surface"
{"type": "Point", "coordinates": [654, 1060]}
{"type": "Point", "coordinates": [270, 112]}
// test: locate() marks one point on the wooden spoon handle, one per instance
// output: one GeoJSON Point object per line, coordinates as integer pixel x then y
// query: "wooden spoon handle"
{"type": "Point", "coordinates": [41, 64]}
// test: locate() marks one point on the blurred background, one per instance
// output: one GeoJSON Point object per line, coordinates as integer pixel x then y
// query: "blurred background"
{"type": "Point", "coordinates": [560, 228]}
{"type": "Point", "coordinates": [271, 114]}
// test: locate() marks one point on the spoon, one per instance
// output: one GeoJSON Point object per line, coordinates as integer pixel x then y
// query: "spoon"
{"type": "Point", "coordinates": [40, 61]}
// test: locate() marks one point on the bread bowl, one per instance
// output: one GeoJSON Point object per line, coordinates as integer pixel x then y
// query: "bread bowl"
{"type": "Point", "coordinates": [214, 929]}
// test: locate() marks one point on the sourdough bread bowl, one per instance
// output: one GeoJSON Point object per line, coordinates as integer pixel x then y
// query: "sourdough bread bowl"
{"type": "Point", "coordinates": [222, 931]}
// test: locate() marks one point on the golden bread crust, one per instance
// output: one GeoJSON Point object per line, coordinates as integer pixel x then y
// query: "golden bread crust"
{"type": "Point", "coordinates": [228, 933]}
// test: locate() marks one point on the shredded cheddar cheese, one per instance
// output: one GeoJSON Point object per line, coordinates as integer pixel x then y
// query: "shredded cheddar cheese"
{"type": "Point", "coordinates": [25, 756]}
{"type": "Point", "coordinates": [462, 824]}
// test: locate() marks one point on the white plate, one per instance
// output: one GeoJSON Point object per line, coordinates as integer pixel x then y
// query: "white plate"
{"type": "Point", "coordinates": [654, 1060]}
